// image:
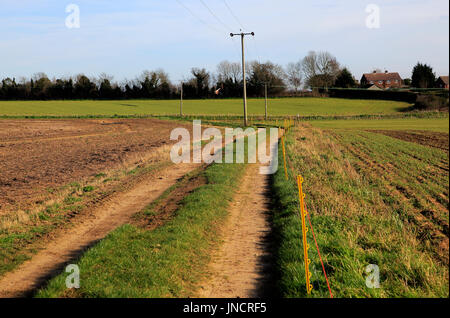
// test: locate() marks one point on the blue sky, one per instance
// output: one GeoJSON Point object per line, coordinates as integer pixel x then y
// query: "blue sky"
{"type": "Point", "coordinates": [123, 38]}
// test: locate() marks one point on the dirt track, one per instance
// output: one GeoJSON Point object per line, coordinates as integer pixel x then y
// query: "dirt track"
{"type": "Point", "coordinates": [94, 227]}
{"type": "Point", "coordinates": [241, 268]}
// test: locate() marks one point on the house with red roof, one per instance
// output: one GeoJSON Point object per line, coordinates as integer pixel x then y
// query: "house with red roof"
{"type": "Point", "coordinates": [382, 80]}
{"type": "Point", "coordinates": [442, 82]}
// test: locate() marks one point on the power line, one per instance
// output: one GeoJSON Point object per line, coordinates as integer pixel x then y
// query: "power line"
{"type": "Point", "coordinates": [234, 16]}
{"type": "Point", "coordinates": [215, 16]}
{"type": "Point", "coordinates": [197, 17]}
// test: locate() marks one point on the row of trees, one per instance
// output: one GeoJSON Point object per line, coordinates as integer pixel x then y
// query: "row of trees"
{"type": "Point", "coordinates": [317, 69]}
{"type": "Point", "coordinates": [149, 85]}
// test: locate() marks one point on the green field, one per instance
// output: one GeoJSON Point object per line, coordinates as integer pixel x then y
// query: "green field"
{"type": "Point", "coordinates": [285, 106]}
{"type": "Point", "coordinates": [430, 124]}
{"type": "Point", "coordinates": [372, 199]}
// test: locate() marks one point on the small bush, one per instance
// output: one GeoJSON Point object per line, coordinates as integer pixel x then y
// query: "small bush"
{"type": "Point", "coordinates": [431, 102]}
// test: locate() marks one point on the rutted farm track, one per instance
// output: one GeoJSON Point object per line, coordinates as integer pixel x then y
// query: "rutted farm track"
{"type": "Point", "coordinates": [93, 227]}
{"type": "Point", "coordinates": [125, 167]}
{"type": "Point", "coordinates": [50, 154]}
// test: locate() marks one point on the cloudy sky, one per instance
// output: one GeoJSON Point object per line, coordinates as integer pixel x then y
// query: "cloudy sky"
{"type": "Point", "coordinates": [123, 38]}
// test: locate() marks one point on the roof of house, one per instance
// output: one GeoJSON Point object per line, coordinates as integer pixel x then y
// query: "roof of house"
{"type": "Point", "coordinates": [444, 79]}
{"type": "Point", "coordinates": [375, 77]}
{"type": "Point", "coordinates": [374, 88]}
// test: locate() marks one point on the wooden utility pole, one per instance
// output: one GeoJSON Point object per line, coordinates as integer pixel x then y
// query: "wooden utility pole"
{"type": "Point", "coordinates": [265, 95]}
{"type": "Point", "coordinates": [181, 100]}
{"type": "Point", "coordinates": [244, 80]}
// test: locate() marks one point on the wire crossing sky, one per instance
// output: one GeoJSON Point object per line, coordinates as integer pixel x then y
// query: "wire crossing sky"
{"type": "Point", "coordinates": [123, 38]}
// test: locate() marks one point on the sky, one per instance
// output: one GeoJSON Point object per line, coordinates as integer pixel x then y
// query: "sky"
{"type": "Point", "coordinates": [124, 38]}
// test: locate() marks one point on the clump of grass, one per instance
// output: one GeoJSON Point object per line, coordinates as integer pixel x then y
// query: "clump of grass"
{"type": "Point", "coordinates": [88, 189]}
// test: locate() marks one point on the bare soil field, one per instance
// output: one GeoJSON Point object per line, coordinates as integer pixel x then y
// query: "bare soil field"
{"type": "Point", "coordinates": [38, 156]}
{"type": "Point", "coordinates": [437, 140]}
{"type": "Point", "coordinates": [65, 184]}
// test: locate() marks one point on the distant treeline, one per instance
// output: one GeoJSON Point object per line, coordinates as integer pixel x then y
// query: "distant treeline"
{"type": "Point", "coordinates": [319, 69]}
{"type": "Point", "coordinates": [226, 83]}
{"type": "Point", "coordinates": [315, 70]}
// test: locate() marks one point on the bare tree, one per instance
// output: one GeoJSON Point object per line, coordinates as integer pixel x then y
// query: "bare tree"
{"type": "Point", "coordinates": [236, 72]}
{"type": "Point", "coordinates": [294, 75]}
{"type": "Point", "coordinates": [104, 76]}
{"type": "Point", "coordinates": [224, 71]}
{"type": "Point", "coordinates": [309, 64]}
{"type": "Point", "coordinates": [321, 69]}
{"type": "Point", "coordinates": [227, 70]}
{"type": "Point", "coordinates": [39, 76]}
{"type": "Point", "coordinates": [327, 64]}
{"type": "Point", "coordinates": [155, 78]}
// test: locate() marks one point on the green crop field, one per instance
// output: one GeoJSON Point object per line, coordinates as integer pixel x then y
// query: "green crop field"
{"type": "Point", "coordinates": [373, 199]}
{"type": "Point", "coordinates": [285, 106]}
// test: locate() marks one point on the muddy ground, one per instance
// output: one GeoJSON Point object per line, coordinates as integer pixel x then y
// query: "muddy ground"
{"type": "Point", "coordinates": [37, 156]}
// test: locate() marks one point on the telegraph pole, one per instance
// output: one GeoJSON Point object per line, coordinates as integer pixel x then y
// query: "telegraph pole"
{"type": "Point", "coordinates": [244, 80]}
{"type": "Point", "coordinates": [265, 95]}
{"type": "Point", "coordinates": [181, 100]}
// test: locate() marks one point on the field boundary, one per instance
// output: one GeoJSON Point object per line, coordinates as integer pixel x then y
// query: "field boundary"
{"type": "Point", "coordinates": [414, 114]}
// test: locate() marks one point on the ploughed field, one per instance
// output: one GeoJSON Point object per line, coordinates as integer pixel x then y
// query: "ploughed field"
{"type": "Point", "coordinates": [38, 157]}
{"type": "Point", "coordinates": [437, 140]}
